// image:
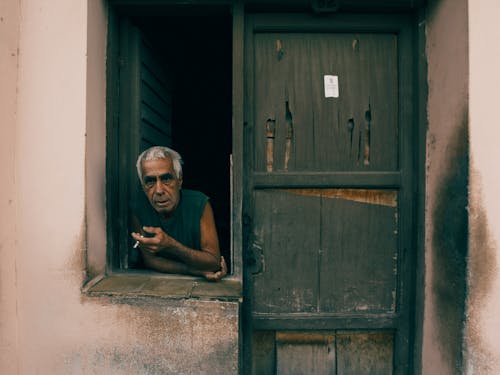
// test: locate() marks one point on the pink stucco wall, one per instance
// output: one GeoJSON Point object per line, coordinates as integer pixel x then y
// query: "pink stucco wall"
{"type": "Point", "coordinates": [52, 154]}
{"type": "Point", "coordinates": [446, 180]}
{"type": "Point", "coordinates": [52, 214]}
{"type": "Point", "coordinates": [482, 342]}
{"type": "Point", "coordinates": [9, 41]}
{"type": "Point", "coordinates": [462, 283]}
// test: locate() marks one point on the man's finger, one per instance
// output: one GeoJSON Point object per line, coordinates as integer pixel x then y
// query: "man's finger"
{"type": "Point", "coordinates": [136, 236]}
{"type": "Point", "coordinates": [223, 265]}
{"type": "Point", "coordinates": [154, 230]}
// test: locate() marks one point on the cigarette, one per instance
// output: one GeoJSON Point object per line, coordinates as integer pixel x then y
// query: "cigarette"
{"type": "Point", "coordinates": [136, 245]}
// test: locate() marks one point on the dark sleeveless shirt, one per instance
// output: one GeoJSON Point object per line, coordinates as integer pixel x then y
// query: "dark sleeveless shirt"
{"type": "Point", "coordinates": [183, 225]}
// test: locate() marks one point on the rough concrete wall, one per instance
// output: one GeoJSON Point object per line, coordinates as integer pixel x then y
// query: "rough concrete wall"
{"type": "Point", "coordinates": [9, 41]}
{"type": "Point", "coordinates": [48, 326]}
{"type": "Point", "coordinates": [482, 343]}
{"type": "Point", "coordinates": [150, 337]}
{"type": "Point", "coordinates": [447, 159]}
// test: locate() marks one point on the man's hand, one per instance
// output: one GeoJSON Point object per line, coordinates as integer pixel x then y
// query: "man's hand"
{"type": "Point", "coordinates": [214, 276]}
{"type": "Point", "coordinates": [160, 240]}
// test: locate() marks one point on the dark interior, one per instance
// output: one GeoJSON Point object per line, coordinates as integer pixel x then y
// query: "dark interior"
{"type": "Point", "coordinates": [196, 49]}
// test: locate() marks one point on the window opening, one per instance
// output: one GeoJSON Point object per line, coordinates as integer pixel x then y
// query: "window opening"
{"type": "Point", "coordinates": [196, 52]}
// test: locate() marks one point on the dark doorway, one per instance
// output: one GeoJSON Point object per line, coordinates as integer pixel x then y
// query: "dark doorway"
{"type": "Point", "coordinates": [195, 50]}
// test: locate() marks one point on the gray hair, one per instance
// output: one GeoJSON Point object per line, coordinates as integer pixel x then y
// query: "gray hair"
{"type": "Point", "coordinates": [158, 153]}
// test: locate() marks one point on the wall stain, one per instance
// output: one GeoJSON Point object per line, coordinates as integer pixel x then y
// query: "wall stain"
{"type": "Point", "coordinates": [163, 333]}
{"type": "Point", "coordinates": [450, 247]}
{"type": "Point", "coordinates": [482, 272]}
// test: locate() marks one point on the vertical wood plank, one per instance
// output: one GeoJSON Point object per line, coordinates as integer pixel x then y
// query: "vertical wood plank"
{"type": "Point", "coordinates": [329, 133]}
{"type": "Point", "coordinates": [365, 353]}
{"type": "Point", "coordinates": [263, 352]}
{"type": "Point", "coordinates": [305, 354]}
{"type": "Point", "coordinates": [359, 244]}
{"type": "Point", "coordinates": [113, 170]}
{"type": "Point", "coordinates": [286, 238]}
{"type": "Point", "coordinates": [269, 94]}
{"type": "Point", "coordinates": [237, 166]}
{"type": "Point", "coordinates": [155, 98]}
{"type": "Point", "coordinates": [128, 131]}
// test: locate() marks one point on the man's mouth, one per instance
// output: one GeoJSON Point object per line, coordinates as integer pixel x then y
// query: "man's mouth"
{"type": "Point", "coordinates": [162, 203]}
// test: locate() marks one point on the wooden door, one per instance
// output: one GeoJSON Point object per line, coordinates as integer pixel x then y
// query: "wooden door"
{"type": "Point", "coordinates": [328, 202]}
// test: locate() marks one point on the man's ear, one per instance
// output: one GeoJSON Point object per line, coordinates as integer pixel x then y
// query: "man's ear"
{"type": "Point", "coordinates": [180, 182]}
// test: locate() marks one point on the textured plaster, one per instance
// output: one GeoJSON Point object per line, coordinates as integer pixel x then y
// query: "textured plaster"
{"type": "Point", "coordinates": [95, 145]}
{"type": "Point", "coordinates": [9, 42]}
{"type": "Point", "coordinates": [482, 345]}
{"type": "Point", "coordinates": [52, 153]}
{"type": "Point", "coordinates": [446, 223]}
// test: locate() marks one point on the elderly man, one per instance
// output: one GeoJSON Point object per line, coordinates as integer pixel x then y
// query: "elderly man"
{"type": "Point", "coordinates": [174, 228]}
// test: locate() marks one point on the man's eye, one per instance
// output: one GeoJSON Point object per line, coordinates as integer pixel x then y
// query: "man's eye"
{"type": "Point", "coordinates": [148, 181]}
{"type": "Point", "coordinates": [167, 179]}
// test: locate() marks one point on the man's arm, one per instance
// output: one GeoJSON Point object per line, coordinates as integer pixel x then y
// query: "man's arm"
{"type": "Point", "coordinates": [161, 264]}
{"type": "Point", "coordinates": [161, 246]}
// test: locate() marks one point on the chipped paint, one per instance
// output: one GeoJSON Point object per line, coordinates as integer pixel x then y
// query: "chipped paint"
{"type": "Point", "coordinates": [367, 136]}
{"type": "Point", "coordinates": [280, 52]}
{"type": "Point", "coordinates": [387, 198]}
{"type": "Point", "coordinates": [355, 44]}
{"type": "Point", "coordinates": [270, 134]}
{"type": "Point", "coordinates": [289, 134]}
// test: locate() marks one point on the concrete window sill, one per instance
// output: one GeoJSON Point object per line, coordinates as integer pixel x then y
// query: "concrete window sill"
{"type": "Point", "coordinates": [151, 284]}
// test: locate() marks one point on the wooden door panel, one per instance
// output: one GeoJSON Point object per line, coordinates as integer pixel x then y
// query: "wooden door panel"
{"type": "Point", "coordinates": [326, 251]}
{"type": "Point", "coordinates": [300, 353]}
{"type": "Point", "coordinates": [356, 131]}
{"type": "Point", "coordinates": [263, 353]}
{"type": "Point", "coordinates": [286, 235]}
{"type": "Point", "coordinates": [365, 353]}
{"type": "Point", "coordinates": [323, 353]}
{"type": "Point", "coordinates": [359, 251]}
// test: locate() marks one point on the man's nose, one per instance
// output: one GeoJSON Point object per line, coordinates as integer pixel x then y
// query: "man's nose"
{"type": "Point", "coordinates": [159, 188]}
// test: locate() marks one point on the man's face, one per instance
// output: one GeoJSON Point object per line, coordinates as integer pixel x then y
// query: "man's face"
{"type": "Point", "coordinates": [161, 185]}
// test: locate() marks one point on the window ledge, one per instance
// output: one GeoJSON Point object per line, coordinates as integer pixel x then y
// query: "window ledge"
{"type": "Point", "coordinates": [132, 285]}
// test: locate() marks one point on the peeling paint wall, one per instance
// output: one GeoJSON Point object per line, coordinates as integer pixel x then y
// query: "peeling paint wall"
{"type": "Point", "coordinates": [447, 159]}
{"type": "Point", "coordinates": [52, 154]}
{"type": "Point", "coordinates": [482, 344]}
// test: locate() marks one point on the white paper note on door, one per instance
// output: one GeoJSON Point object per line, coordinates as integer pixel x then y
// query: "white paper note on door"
{"type": "Point", "coordinates": [331, 86]}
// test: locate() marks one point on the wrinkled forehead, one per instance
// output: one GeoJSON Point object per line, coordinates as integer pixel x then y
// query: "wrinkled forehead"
{"type": "Point", "coordinates": [157, 167]}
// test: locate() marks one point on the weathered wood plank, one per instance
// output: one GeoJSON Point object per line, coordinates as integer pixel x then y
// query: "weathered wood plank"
{"type": "Point", "coordinates": [359, 250]}
{"type": "Point", "coordinates": [302, 353]}
{"type": "Point", "coordinates": [263, 352]}
{"type": "Point", "coordinates": [325, 321]}
{"type": "Point", "coordinates": [356, 131]}
{"type": "Point", "coordinates": [380, 180]}
{"type": "Point", "coordinates": [286, 234]}
{"type": "Point", "coordinates": [365, 353]}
